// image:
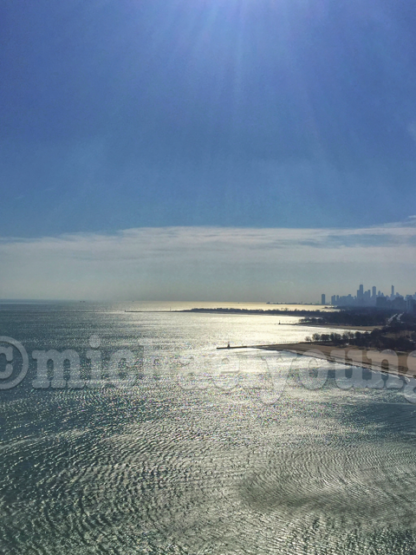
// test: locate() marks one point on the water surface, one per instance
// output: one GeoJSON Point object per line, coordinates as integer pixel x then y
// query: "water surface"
{"type": "Point", "coordinates": [191, 464]}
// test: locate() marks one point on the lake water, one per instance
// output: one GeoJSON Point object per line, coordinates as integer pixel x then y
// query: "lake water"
{"type": "Point", "coordinates": [194, 450]}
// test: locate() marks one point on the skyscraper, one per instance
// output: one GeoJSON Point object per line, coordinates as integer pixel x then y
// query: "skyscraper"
{"type": "Point", "coordinates": [323, 298]}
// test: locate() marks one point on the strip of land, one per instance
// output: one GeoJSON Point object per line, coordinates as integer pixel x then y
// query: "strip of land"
{"type": "Point", "coordinates": [337, 326]}
{"type": "Point", "coordinates": [258, 312]}
{"type": "Point", "coordinates": [390, 361]}
{"type": "Point", "coordinates": [402, 363]}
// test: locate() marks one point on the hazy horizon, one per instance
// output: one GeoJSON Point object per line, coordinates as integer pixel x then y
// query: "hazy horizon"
{"type": "Point", "coordinates": [210, 264]}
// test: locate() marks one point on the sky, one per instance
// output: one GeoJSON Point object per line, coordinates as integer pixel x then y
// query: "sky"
{"type": "Point", "coordinates": [139, 139]}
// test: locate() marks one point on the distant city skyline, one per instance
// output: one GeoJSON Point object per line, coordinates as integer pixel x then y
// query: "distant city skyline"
{"type": "Point", "coordinates": [373, 297]}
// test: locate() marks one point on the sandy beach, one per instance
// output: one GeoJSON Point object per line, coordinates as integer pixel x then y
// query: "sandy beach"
{"type": "Point", "coordinates": [386, 361]}
{"type": "Point", "coordinates": [339, 327]}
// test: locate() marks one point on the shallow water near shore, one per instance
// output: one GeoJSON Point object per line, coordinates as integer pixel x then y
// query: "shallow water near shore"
{"type": "Point", "coordinates": [190, 464]}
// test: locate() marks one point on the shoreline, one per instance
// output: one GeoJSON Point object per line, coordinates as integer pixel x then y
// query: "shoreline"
{"type": "Point", "coordinates": [338, 326]}
{"type": "Point", "coordinates": [353, 356]}
{"type": "Point", "coordinates": [348, 355]}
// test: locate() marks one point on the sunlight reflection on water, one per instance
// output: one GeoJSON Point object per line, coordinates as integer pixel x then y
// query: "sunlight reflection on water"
{"type": "Point", "coordinates": [166, 469]}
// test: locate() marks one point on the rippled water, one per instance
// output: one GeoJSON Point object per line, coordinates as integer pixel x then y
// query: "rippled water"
{"type": "Point", "coordinates": [198, 465]}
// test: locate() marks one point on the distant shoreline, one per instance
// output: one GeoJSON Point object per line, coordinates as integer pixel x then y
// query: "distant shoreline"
{"type": "Point", "coordinates": [299, 313]}
{"type": "Point", "coordinates": [255, 312]}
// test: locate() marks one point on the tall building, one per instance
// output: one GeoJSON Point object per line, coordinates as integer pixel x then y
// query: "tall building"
{"type": "Point", "coordinates": [360, 295]}
{"type": "Point", "coordinates": [374, 289]}
{"type": "Point", "coordinates": [323, 298]}
{"type": "Point", "coordinates": [392, 291]}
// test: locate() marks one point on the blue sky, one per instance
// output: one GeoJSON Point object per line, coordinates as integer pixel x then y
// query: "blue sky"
{"type": "Point", "coordinates": [248, 114]}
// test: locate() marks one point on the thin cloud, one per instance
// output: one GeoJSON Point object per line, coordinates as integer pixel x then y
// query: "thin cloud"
{"type": "Point", "coordinates": [152, 261]}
